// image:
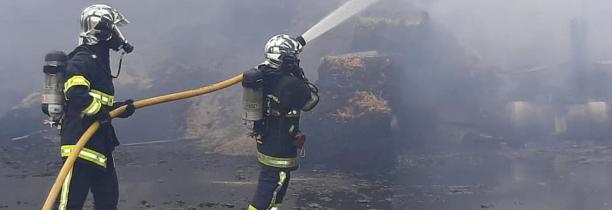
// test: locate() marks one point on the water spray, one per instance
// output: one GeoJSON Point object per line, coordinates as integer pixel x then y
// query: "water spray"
{"type": "Point", "coordinates": [337, 17]}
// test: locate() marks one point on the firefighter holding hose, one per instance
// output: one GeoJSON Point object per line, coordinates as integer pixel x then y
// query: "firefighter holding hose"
{"type": "Point", "coordinates": [89, 91]}
{"type": "Point", "coordinates": [275, 94]}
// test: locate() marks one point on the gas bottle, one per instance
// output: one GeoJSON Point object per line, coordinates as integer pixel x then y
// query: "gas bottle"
{"type": "Point", "coordinates": [252, 95]}
{"type": "Point", "coordinates": [53, 89]}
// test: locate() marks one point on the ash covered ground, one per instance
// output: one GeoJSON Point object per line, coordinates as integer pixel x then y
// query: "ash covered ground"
{"type": "Point", "coordinates": [177, 176]}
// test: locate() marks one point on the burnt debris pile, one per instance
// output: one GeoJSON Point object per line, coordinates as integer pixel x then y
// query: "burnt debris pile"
{"type": "Point", "coordinates": [353, 120]}
{"type": "Point", "coordinates": [391, 93]}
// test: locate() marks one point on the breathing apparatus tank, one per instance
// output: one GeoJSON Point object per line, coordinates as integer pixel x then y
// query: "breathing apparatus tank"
{"type": "Point", "coordinates": [252, 97]}
{"type": "Point", "coordinates": [53, 89]}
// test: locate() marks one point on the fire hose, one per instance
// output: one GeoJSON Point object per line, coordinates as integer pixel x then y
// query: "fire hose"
{"type": "Point", "coordinates": [69, 163]}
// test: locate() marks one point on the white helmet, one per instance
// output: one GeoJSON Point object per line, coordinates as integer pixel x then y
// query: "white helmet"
{"type": "Point", "coordinates": [280, 45]}
{"type": "Point", "coordinates": [100, 22]}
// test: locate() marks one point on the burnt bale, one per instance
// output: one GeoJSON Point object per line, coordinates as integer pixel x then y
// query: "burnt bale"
{"type": "Point", "coordinates": [352, 124]}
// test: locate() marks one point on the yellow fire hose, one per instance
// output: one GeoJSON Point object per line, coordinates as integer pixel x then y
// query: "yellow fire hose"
{"type": "Point", "coordinates": [59, 181]}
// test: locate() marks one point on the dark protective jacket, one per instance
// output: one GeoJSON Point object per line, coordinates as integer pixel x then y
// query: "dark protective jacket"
{"type": "Point", "coordinates": [89, 90]}
{"type": "Point", "coordinates": [284, 97]}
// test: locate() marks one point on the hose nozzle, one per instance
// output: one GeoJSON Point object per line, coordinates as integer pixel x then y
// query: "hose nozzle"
{"type": "Point", "coordinates": [301, 40]}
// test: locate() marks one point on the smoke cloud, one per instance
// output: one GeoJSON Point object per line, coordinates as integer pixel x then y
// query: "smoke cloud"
{"type": "Point", "coordinates": [221, 36]}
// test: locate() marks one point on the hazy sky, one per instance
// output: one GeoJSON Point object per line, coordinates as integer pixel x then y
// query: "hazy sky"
{"type": "Point", "coordinates": [519, 31]}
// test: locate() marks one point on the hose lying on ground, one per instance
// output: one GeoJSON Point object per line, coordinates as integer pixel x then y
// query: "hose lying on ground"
{"type": "Point", "coordinates": [69, 163]}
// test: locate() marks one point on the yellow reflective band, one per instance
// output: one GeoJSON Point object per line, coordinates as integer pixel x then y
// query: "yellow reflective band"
{"type": "Point", "coordinates": [277, 113]}
{"type": "Point", "coordinates": [251, 207]}
{"type": "Point", "coordinates": [65, 190]}
{"type": "Point", "coordinates": [277, 162]}
{"type": "Point", "coordinates": [276, 206]}
{"type": "Point", "coordinates": [291, 129]}
{"type": "Point", "coordinates": [293, 113]}
{"type": "Point", "coordinates": [274, 98]}
{"type": "Point", "coordinates": [86, 154]}
{"type": "Point", "coordinates": [104, 98]}
{"type": "Point", "coordinates": [281, 181]}
{"type": "Point", "coordinates": [93, 108]}
{"type": "Point", "coordinates": [76, 80]}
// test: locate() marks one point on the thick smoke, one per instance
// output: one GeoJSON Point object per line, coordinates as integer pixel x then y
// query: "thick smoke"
{"type": "Point", "coordinates": [541, 58]}
{"type": "Point", "coordinates": [512, 33]}
{"type": "Point", "coordinates": [178, 46]}
{"type": "Point", "coordinates": [226, 37]}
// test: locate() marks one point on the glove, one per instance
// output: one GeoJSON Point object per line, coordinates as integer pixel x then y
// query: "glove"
{"type": "Point", "coordinates": [300, 139]}
{"type": "Point", "coordinates": [129, 110]}
{"type": "Point", "coordinates": [103, 116]}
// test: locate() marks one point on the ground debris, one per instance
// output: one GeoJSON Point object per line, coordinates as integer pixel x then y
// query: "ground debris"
{"type": "Point", "coordinates": [314, 206]}
{"type": "Point", "coordinates": [240, 175]}
{"type": "Point", "coordinates": [207, 204]}
{"type": "Point", "coordinates": [228, 205]}
{"type": "Point", "coordinates": [145, 204]}
{"type": "Point", "coordinates": [326, 199]}
{"type": "Point", "coordinates": [216, 204]}
{"type": "Point", "coordinates": [459, 190]}
{"type": "Point", "coordinates": [487, 206]}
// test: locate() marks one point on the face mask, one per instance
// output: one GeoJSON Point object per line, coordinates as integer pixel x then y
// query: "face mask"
{"type": "Point", "coordinates": [112, 36]}
{"type": "Point", "coordinates": [118, 42]}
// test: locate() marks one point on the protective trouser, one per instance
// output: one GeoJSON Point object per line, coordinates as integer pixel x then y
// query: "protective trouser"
{"type": "Point", "coordinates": [85, 177]}
{"type": "Point", "coordinates": [271, 189]}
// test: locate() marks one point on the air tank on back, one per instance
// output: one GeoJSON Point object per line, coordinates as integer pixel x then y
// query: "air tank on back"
{"type": "Point", "coordinates": [252, 98]}
{"type": "Point", "coordinates": [53, 89]}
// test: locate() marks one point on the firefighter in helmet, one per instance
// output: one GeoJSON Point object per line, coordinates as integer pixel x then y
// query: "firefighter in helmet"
{"type": "Point", "coordinates": [275, 94]}
{"type": "Point", "coordinates": [89, 91]}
